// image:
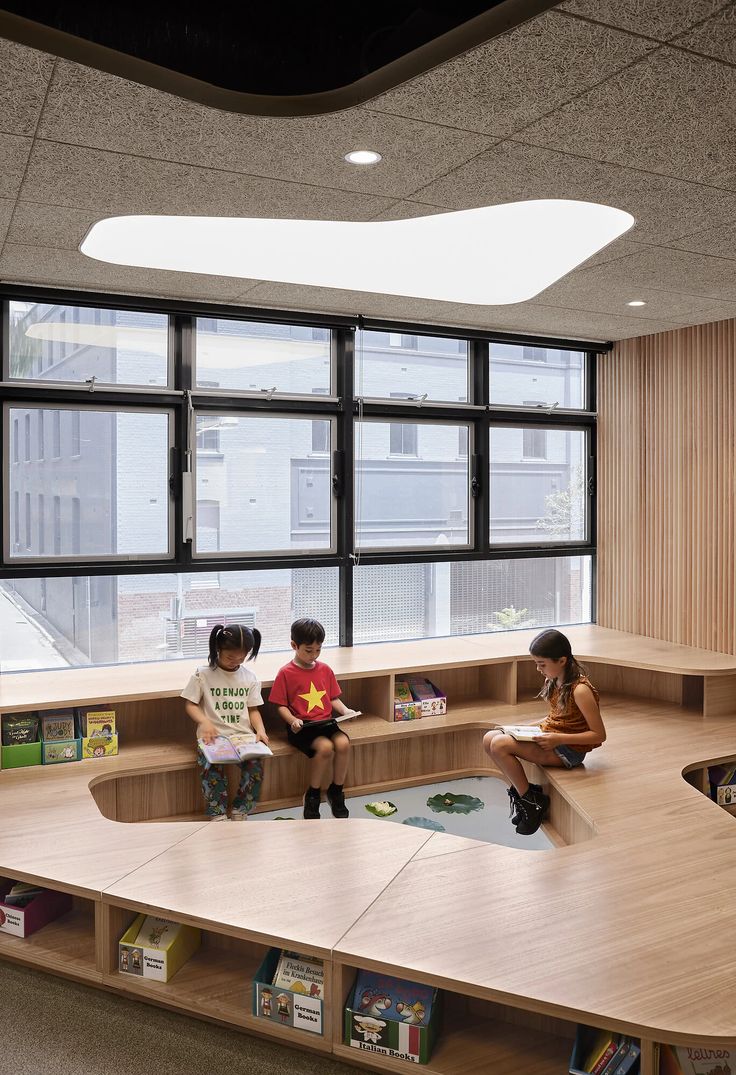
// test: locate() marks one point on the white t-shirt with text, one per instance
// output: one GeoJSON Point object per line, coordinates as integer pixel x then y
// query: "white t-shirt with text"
{"type": "Point", "coordinates": [225, 697]}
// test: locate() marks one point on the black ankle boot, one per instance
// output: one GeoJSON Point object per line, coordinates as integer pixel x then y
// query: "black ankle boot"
{"type": "Point", "coordinates": [532, 807]}
{"type": "Point", "coordinates": [311, 803]}
{"type": "Point", "coordinates": [514, 797]}
{"type": "Point", "coordinates": [336, 799]}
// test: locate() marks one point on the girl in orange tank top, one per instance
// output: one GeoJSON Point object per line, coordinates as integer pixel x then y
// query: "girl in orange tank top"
{"type": "Point", "coordinates": [572, 728]}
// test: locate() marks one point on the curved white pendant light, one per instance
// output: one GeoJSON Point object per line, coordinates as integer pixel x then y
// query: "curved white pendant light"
{"type": "Point", "coordinates": [491, 256]}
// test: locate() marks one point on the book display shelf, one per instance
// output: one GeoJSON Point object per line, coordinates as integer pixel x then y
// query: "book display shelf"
{"type": "Point", "coordinates": [620, 927]}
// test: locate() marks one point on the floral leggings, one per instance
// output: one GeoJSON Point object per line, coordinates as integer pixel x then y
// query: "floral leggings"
{"type": "Point", "coordinates": [214, 786]}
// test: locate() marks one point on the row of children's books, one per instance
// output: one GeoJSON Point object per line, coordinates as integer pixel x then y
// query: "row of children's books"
{"type": "Point", "coordinates": [65, 734]}
{"type": "Point", "coordinates": [603, 1052]}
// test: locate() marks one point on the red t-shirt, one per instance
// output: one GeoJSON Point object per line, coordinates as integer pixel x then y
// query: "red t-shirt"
{"type": "Point", "coordinates": [306, 692]}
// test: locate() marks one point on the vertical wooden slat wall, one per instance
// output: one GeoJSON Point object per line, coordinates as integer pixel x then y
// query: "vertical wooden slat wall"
{"type": "Point", "coordinates": [666, 503]}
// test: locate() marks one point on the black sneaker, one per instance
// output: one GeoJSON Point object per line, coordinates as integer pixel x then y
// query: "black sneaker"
{"type": "Point", "coordinates": [532, 809]}
{"type": "Point", "coordinates": [312, 798]}
{"type": "Point", "coordinates": [336, 799]}
{"type": "Point", "coordinates": [514, 797]}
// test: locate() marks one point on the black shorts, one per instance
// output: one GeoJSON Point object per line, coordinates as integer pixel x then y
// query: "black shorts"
{"type": "Point", "coordinates": [311, 730]}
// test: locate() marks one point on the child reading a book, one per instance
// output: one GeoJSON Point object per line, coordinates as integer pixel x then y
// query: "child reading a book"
{"type": "Point", "coordinates": [307, 694]}
{"type": "Point", "coordinates": [221, 698]}
{"type": "Point", "coordinates": [571, 730]}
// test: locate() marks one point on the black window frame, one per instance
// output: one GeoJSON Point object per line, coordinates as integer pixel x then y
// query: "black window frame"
{"type": "Point", "coordinates": [343, 409]}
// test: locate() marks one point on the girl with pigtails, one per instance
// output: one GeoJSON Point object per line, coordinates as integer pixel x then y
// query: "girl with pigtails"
{"type": "Point", "coordinates": [222, 699]}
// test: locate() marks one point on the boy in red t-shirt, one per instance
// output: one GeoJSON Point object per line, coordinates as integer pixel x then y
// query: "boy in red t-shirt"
{"type": "Point", "coordinates": [306, 693]}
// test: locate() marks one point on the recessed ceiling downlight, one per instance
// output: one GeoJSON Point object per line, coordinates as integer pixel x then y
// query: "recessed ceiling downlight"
{"type": "Point", "coordinates": [636, 302]}
{"type": "Point", "coordinates": [363, 156]}
{"type": "Point", "coordinates": [491, 256]}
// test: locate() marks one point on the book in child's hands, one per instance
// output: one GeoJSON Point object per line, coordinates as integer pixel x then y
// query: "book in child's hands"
{"type": "Point", "coordinates": [300, 974]}
{"type": "Point", "coordinates": [338, 717]}
{"type": "Point", "coordinates": [523, 733]}
{"type": "Point", "coordinates": [234, 748]}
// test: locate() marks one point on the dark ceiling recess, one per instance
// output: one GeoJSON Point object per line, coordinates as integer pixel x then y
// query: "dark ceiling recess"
{"type": "Point", "coordinates": [280, 59]}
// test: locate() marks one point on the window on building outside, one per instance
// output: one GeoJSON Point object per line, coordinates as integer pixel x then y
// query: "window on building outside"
{"type": "Point", "coordinates": [553, 377]}
{"type": "Point", "coordinates": [389, 365]}
{"type": "Point", "coordinates": [250, 356]}
{"type": "Point", "coordinates": [121, 488]}
{"type": "Point", "coordinates": [118, 347]}
{"type": "Point", "coordinates": [419, 500]}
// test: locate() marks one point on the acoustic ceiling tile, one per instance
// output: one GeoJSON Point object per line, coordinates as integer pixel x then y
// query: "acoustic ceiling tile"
{"type": "Point", "coordinates": [717, 242]}
{"type": "Point", "coordinates": [663, 207]}
{"type": "Point", "coordinates": [14, 153]}
{"type": "Point", "coordinates": [661, 20]}
{"type": "Point", "coordinates": [120, 183]}
{"type": "Point", "coordinates": [715, 37]}
{"type": "Point", "coordinates": [670, 113]}
{"type": "Point", "coordinates": [24, 77]}
{"type": "Point", "coordinates": [69, 268]}
{"type": "Point", "coordinates": [87, 107]}
{"type": "Point", "coordinates": [502, 86]}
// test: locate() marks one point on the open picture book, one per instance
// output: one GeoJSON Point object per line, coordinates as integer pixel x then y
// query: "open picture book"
{"type": "Point", "coordinates": [523, 733]}
{"type": "Point", "coordinates": [233, 748]}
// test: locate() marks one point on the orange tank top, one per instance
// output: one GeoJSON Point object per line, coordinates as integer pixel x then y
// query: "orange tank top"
{"type": "Point", "coordinates": [567, 718]}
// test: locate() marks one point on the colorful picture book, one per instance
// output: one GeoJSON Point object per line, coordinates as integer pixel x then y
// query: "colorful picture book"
{"type": "Point", "coordinates": [234, 748]}
{"type": "Point", "coordinates": [19, 728]}
{"type": "Point", "coordinates": [382, 996]}
{"type": "Point", "coordinates": [300, 974]}
{"type": "Point", "coordinates": [99, 723]}
{"type": "Point", "coordinates": [57, 726]}
{"type": "Point", "coordinates": [99, 746]}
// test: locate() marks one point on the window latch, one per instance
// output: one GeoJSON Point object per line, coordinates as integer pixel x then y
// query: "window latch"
{"type": "Point", "coordinates": [91, 381]}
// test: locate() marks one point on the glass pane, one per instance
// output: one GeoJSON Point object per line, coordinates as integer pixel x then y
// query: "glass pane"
{"type": "Point", "coordinates": [247, 356]}
{"type": "Point", "coordinates": [411, 485]}
{"type": "Point", "coordinates": [75, 343]}
{"type": "Point", "coordinates": [102, 490]}
{"type": "Point", "coordinates": [392, 365]}
{"type": "Point", "coordinates": [260, 487]}
{"type": "Point", "coordinates": [427, 600]}
{"type": "Point", "coordinates": [537, 376]}
{"type": "Point", "coordinates": [56, 623]}
{"type": "Point", "coordinates": [538, 490]}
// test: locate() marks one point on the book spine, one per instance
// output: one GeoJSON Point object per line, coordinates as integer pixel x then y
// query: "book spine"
{"type": "Point", "coordinates": [629, 1060]}
{"type": "Point", "coordinates": [618, 1056]}
{"type": "Point", "coordinates": [603, 1060]}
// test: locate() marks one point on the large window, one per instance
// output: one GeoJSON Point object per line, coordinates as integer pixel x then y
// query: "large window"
{"type": "Point", "coordinates": [73, 344]}
{"type": "Point", "coordinates": [272, 495]}
{"type": "Point", "coordinates": [109, 478]}
{"type": "Point", "coordinates": [165, 471]}
{"type": "Point", "coordinates": [257, 357]}
{"type": "Point", "coordinates": [417, 497]}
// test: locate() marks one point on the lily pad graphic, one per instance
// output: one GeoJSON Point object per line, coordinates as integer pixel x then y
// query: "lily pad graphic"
{"type": "Point", "coordinates": [381, 809]}
{"type": "Point", "coordinates": [424, 823]}
{"type": "Point", "coordinates": [454, 804]}
{"type": "Point", "coordinates": [282, 819]}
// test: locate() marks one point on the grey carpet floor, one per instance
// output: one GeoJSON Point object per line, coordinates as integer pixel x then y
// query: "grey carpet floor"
{"type": "Point", "coordinates": [50, 1026]}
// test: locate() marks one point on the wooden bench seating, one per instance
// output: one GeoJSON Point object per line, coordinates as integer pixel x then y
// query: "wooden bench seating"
{"type": "Point", "coordinates": [628, 926]}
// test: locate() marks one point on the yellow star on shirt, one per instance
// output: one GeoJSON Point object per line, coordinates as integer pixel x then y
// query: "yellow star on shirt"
{"type": "Point", "coordinates": [314, 698]}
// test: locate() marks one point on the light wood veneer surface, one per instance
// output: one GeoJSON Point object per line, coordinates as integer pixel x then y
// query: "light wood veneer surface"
{"type": "Point", "coordinates": [631, 929]}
